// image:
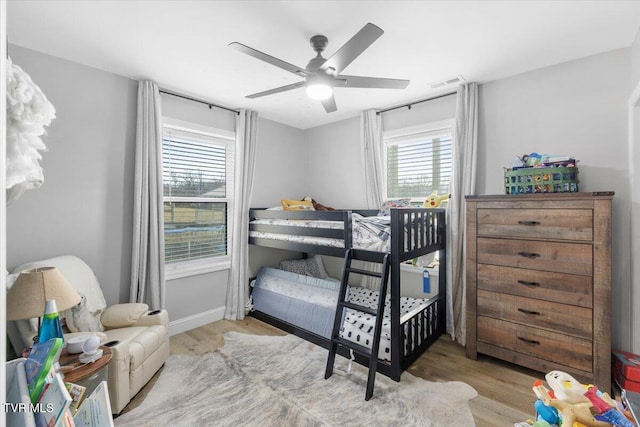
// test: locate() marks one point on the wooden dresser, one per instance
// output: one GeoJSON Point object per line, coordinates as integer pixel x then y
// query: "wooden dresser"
{"type": "Point", "coordinates": [539, 282]}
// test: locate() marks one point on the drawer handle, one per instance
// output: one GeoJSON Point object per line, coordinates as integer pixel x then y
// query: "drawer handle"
{"type": "Point", "coordinates": [522, 310]}
{"type": "Point", "coordinates": [529, 222]}
{"type": "Point", "coordinates": [530, 255]}
{"type": "Point", "coordinates": [528, 341]}
{"type": "Point", "coordinates": [524, 282]}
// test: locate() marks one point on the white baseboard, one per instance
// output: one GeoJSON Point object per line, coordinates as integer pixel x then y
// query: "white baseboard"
{"type": "Point", "coordinates": [196, 320]}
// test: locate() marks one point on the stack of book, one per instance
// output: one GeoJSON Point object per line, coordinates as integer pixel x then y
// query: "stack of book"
{"type": "Point", "coordinates": [59, 404]}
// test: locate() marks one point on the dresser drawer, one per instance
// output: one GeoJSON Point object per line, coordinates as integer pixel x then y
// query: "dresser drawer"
{"type": "Point", "coordinates": [572, 258]}
{"type": "Point", "coordinates": [557, 287]}
{"type": "Point", "coordinates": [562, 224]}
{"type": "Point", "coordinates": [554, 347]}
{"type": "Point", "coordinates": [569, 319]}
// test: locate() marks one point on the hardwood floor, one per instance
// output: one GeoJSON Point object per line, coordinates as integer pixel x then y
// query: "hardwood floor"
{"type": "Point", "coordinates": [504, 390]}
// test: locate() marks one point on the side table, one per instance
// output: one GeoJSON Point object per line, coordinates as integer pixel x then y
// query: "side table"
{"type": "Point", "coordinates": [88, 375]}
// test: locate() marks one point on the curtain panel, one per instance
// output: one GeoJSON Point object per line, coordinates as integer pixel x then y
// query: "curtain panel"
{"type": "Point", "coordinates": [463, 183]}
{"type": "Point", "coordinates": [372, 148]}
{"type": "Point", "coordinates": [371, 145]}
{"type": "Point", "coordinates": [245, 155]}
{"type": "Point", "coordinates": [147, 263]}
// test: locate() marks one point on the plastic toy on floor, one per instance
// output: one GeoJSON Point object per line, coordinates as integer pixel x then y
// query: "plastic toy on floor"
{"type": "Point", "coordinates": [572, 404]}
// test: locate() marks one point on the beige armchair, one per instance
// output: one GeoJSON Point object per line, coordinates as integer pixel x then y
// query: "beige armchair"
{"type": "Point", "coordinates": [141, 336]}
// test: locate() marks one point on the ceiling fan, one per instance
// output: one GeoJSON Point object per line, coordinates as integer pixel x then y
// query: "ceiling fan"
{"type": "Point", "coordinates": [321, 74]}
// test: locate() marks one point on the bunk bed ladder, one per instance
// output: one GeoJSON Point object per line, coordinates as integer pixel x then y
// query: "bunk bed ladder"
{"type": "Point", "coordinates": [336, 340]}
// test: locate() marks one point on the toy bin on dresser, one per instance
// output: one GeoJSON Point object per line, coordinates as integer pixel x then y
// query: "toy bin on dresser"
{"type": "Point", "coordinates": [539, 282]}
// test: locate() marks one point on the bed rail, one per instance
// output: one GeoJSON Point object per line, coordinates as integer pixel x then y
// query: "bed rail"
{"type": "Point", "coordinates": [417, 231]}
{"type": "Point", "coordinates": [414, 231]}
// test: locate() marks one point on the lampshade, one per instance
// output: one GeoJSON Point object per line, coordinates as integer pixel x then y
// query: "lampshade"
{"type": "Point", "coordinates": [29, 293]}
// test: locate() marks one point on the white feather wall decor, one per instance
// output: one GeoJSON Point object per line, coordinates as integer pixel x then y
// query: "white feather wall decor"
{"type": "Point", "coordinates": [28, 112]}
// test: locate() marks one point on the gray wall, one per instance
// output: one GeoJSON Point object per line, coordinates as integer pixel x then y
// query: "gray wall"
{"type": "Point", "coordinates": [576, 108]}
{"type": "Point", "coordinates": [279, 175]}
{"type": "Point", "coordinates": [84, 207]}
{"type": "Point", "coordinates": [635, 60]}
{"type": "Point", "coordinates": [634, 159]}
{"type": "Point", "coordinates": [434, 110]}
{"type": "Point", "coordinates": [333, 164]}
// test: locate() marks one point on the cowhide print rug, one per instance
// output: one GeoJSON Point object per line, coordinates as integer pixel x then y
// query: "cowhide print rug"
{"type": "Point", "coordinates": [279, 381]}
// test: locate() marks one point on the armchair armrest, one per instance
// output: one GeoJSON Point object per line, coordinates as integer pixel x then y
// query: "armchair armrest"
{"type": "Point", "coordinates": [122, 315]}
{"type": "Point", "coordinates": [150, 318]}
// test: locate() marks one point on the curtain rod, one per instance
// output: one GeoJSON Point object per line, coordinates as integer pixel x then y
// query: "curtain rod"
{"type": "Point", "coordinates": [417, 102]}
{"type": "Point", "coordinates": [210, 104]}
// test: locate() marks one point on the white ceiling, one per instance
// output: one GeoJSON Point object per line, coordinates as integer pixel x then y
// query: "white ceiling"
{"type": "Point", "coordinates": [182, 45]}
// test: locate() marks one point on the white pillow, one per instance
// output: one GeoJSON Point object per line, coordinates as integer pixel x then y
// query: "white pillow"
{"type": "Point", "coordinates": [123, 315]}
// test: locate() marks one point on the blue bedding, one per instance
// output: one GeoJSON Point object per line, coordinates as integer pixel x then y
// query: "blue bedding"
{"type": "Point", "coordinates": [286, 296]}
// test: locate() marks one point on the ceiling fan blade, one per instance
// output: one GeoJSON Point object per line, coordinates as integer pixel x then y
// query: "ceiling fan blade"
{"type": "Point", "coordinates": [299, 71]}
{"type": "Point", "coordinates": [276, 90]}
{"type": "Point", "coordinates": [329, 104]}
{"type": "Point", "coordinates": [373, 82]}
{"type": "Point", "coordinates": [353, 48]}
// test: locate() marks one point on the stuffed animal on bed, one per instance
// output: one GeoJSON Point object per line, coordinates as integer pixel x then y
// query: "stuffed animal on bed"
{"type": "Point", "coordinates": [434, 201]}
{"type": "Point", "coordinates": [317, 206]}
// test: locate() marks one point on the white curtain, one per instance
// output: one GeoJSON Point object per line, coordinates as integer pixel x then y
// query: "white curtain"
{"type": "Point", "coordinates": [371, 145]}
{"type": "Point", "coordinates": [245, 162]}
{"type": "Point", "coordinates": [147, 263]}
{"type": "Point", "coordinates": [463, 182]}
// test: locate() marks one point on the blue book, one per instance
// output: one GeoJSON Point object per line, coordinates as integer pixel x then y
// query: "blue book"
{"type": "Point", "coordinates": [42, 357]}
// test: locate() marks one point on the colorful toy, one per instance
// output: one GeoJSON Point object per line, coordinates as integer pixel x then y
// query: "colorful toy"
{"type": "Point", "coordinates": [570, 403]}
{"type": "Point", "coordinates": [569, 412]}
{"type": "Point", "coordinates": [434, 201]}
{"type": "Point", "coordinates": [605, 411]}
{"type": "Point", "coordinates": [565, 387]}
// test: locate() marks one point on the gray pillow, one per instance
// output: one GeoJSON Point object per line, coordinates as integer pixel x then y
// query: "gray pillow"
{"type": "Point", "coordinates": [307, 267]}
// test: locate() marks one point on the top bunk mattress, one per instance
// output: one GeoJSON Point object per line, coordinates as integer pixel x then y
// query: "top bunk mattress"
{"type": "Point", "coordinates": [368, 232]}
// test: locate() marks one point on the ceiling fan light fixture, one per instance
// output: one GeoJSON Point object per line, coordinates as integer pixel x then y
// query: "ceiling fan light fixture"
{"type": "Point", "coordinates": [319, 91]}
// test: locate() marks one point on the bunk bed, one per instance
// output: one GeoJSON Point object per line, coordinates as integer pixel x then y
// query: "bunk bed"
{"type": "Point", "coordinates": [412, 232]}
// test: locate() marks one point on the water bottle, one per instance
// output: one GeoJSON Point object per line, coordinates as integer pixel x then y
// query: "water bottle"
{"type": "Point", "coordinates": [50, 327]}
{"type": "Point", "coordinates": [426, 284]}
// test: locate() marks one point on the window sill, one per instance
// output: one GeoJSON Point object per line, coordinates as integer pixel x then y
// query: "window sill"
{"type": "Point", "coordinates": [194, 268]}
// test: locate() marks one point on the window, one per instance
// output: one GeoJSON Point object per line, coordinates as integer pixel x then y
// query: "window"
{"type": "Point", "coordinates": [197, 179]}
{"type": "Point", "coordinates": [418, 160]}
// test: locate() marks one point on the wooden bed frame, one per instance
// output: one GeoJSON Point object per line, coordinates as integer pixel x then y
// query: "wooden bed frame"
{"type": "Point", "coordinates": [414, 232]}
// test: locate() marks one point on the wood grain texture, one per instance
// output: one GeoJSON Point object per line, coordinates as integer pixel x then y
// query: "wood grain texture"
{"type": "Point", "coordinates": [504, 389]}
{"type": "Point", "coordinates": [562, 265]}
{"type": "Point", "coordinates": [550, 286]}
{"type": "Point", "coordinates": [568, 224]}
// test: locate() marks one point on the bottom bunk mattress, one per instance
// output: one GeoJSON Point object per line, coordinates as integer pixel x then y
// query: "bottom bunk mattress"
{"type": "Point", "coordinates": [310, 303]}
{"type": "Point", "coordinates": [303, 301]}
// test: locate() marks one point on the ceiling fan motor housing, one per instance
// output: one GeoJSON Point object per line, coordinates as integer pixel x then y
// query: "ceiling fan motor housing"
{"type": "Point", "coordinates": [318, 43]}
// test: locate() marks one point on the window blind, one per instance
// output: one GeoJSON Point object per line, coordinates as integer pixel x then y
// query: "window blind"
{"type": "Point", "coordinates": [196, 191]}
{"type": "Point", "coordinates": [417, 164]}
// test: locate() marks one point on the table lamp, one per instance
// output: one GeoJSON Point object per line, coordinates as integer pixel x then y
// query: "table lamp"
{"type": "Point", "coordinates": [32, 293]}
